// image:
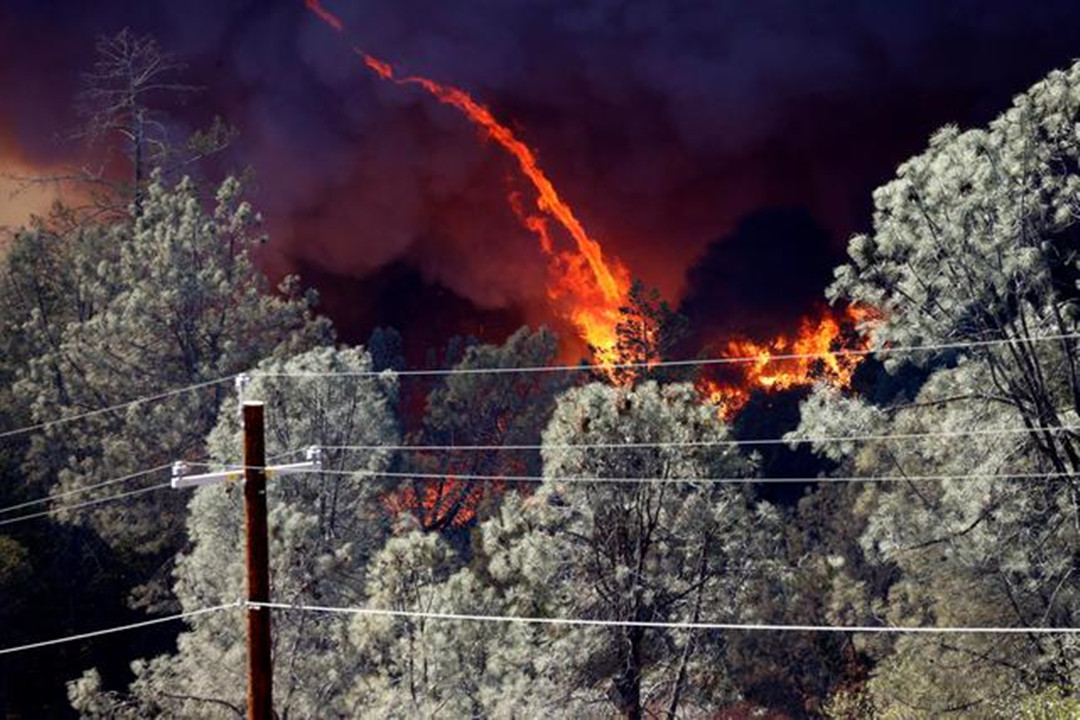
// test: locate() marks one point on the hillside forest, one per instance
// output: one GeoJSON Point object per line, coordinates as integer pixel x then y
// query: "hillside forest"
{"type": "Point", "coordinates": [943, 488]}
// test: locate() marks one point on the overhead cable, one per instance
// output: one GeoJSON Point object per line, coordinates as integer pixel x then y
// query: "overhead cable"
{"type": "Point", "coordinates": [119, 628]}
{"type": "Point", "coordinates": [690, 362]}
{"type": "Point", "coordinates": [743, 627]}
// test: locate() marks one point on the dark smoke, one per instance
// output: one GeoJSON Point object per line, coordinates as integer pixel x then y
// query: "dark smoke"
{"type": "Point", "coordinates": [663, 123]}
{"type": "Point", "coordinates": [398, 296]}
{"type": "Point", "coordinates": [759, 280]}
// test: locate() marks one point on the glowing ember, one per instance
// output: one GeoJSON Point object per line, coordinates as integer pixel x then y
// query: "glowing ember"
{"type": "Point", "coordinates": [444, 503]}
{"type": "Point", "coordinates": [586, 288]}
{"type": "Point", "coordinates": [818, 348]}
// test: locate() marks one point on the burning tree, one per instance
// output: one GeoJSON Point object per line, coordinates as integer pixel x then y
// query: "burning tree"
{"type": "Point", "coordinates": [819, 352]}
{"type": "Point", "coordinates": [477, 408]}
{"type": "Point", "coordinates": [646, 331]}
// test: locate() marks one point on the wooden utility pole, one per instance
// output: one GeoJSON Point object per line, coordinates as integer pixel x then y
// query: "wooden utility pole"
{"type": "Point", "coordinates": [260, 693]}
{"type": "Point", "coordinates": [260, 670]}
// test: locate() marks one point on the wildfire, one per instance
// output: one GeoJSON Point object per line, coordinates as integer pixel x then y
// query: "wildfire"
{"type": "Point", "coordinates": [444, 503]}
{"type": "Point", "coordinates": [586, 288]}
{"type": "Point", "coordinates": [817, 353]}
{"type": "Point", "coordinates": [589, 290]}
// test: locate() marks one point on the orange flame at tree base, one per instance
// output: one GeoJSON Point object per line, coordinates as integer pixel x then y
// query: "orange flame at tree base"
{"type": "Point", "coordinates": [441, 504]}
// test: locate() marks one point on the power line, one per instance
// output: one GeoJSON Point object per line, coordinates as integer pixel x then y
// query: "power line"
{"type": "Point", "coordinates": [738, 360]}
{"type": "Point", "coordinates": [120, 628]}
{"type": "Point", "coordinates": [938, 347]}
{"type": "Point", "coordinates": [709, 443]}
{"type": "Point", "coordinates": [88, 503]}
{"type": "Point", "coordinates": [691, 480]}
{"type": "Point", "coordinates": [119, 406]}
{"type": "Point", "coordinates": [768, 627]}
{"type": "Point", "coordinates": [80, 490]}
{"type": "Point", "coordinates": [609, 446]}
{"type": "Point", "coordinates": [469, 617]}
{"type": "Point", "coordinates": [278, 456]}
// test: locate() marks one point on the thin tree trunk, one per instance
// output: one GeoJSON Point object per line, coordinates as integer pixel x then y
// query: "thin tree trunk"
{"type": "Point", "coordinates": [631, 685]}
{"type": "Point", "coordinates": [680, 677]}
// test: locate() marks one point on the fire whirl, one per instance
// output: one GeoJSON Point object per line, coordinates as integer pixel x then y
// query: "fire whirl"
{"type": "Point", "coordinates": [586, 288]}
{"type": "Point", "coordinates": [325, 15]}
{"type": "Point", "coordinates": [589, 291]}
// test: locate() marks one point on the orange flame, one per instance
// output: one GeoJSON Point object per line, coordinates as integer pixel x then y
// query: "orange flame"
{"type": "Point", "coordinates": [589, 289]}
{"type": "Point", "coordinates": [444, 503]}
{"type": "Point", "coordinates": [819, 352]}
{"type": "Point", "coordinates": [325, 15]}
{"type": "Point", "coordinates": [457, 496]}
{"type": "Point", "coordinates": [586, 288]}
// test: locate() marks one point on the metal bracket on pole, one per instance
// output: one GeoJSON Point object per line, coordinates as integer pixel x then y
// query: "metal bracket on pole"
{"type": "Point", "coordinates": [179, 470]}
{"type": "Point", "coordinates": [314, 455]}
{"type": "Point", "coordinates": [182, 479]}
{"type": "Point", "coordinates": [312, 463]}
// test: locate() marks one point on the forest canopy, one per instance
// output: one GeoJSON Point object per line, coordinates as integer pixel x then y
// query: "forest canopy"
{"type": "Point", "coordinates": [576, 495]}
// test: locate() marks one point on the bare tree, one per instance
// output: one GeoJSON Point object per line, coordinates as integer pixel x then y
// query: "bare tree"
{"type": "Point", "coordinates": [118, 98]}
{"type": "Point", "coordinates": [124, 108]}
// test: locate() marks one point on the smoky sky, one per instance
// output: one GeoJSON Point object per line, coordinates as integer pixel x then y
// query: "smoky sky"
{"type": "Point", "coordinates": [723, 150]}
{"type": "Point", "coordinates": [733, 288]}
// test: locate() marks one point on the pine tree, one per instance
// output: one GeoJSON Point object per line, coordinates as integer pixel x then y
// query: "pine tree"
{"type": "Point", "coordinates": [325, 531]}
{"type": "Point", "coordinates": [974, 240]}
{"type": "Point", "coordinates": [134, 309]}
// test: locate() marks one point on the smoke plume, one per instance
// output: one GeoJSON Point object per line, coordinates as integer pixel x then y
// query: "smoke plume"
{"type": "Point", "coordinates": [671, 127]}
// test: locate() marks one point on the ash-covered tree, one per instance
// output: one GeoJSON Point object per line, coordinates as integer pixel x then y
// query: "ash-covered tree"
{"type": "Point", "coordinates": [47, 564]}
{"type": "Point", "coordinates": [87, 319]}
{"type": "Point", "coordinates": [975, 240]}
{"type": "Point", "coordinates": [672, 547]}
{"type": "Point", "coordinates": [419, 667]}
{"type": "Point", "coordinates": [668, 545]}
{"type": "Point", "coordinates": [136, 309]}
{"type": "Point", "coordinates": [324, 531]}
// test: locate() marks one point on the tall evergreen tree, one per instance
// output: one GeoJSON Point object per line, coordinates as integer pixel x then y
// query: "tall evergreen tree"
{"type": "Point", "coordinates": [324, 531]}
{"type": "Point", "coordinates": [133, 310]}
{"type": "Point", "coordinates": [975, 240]}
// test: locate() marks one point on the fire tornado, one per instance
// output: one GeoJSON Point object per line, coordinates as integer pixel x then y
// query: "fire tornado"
{"type": "Point", "coordinates": [586, 288]}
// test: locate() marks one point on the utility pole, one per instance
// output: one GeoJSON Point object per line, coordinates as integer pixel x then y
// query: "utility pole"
{"type": "Point", "coordinates": [260, 668]}
{"type": "Point", "coordinates": [254, 471]}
